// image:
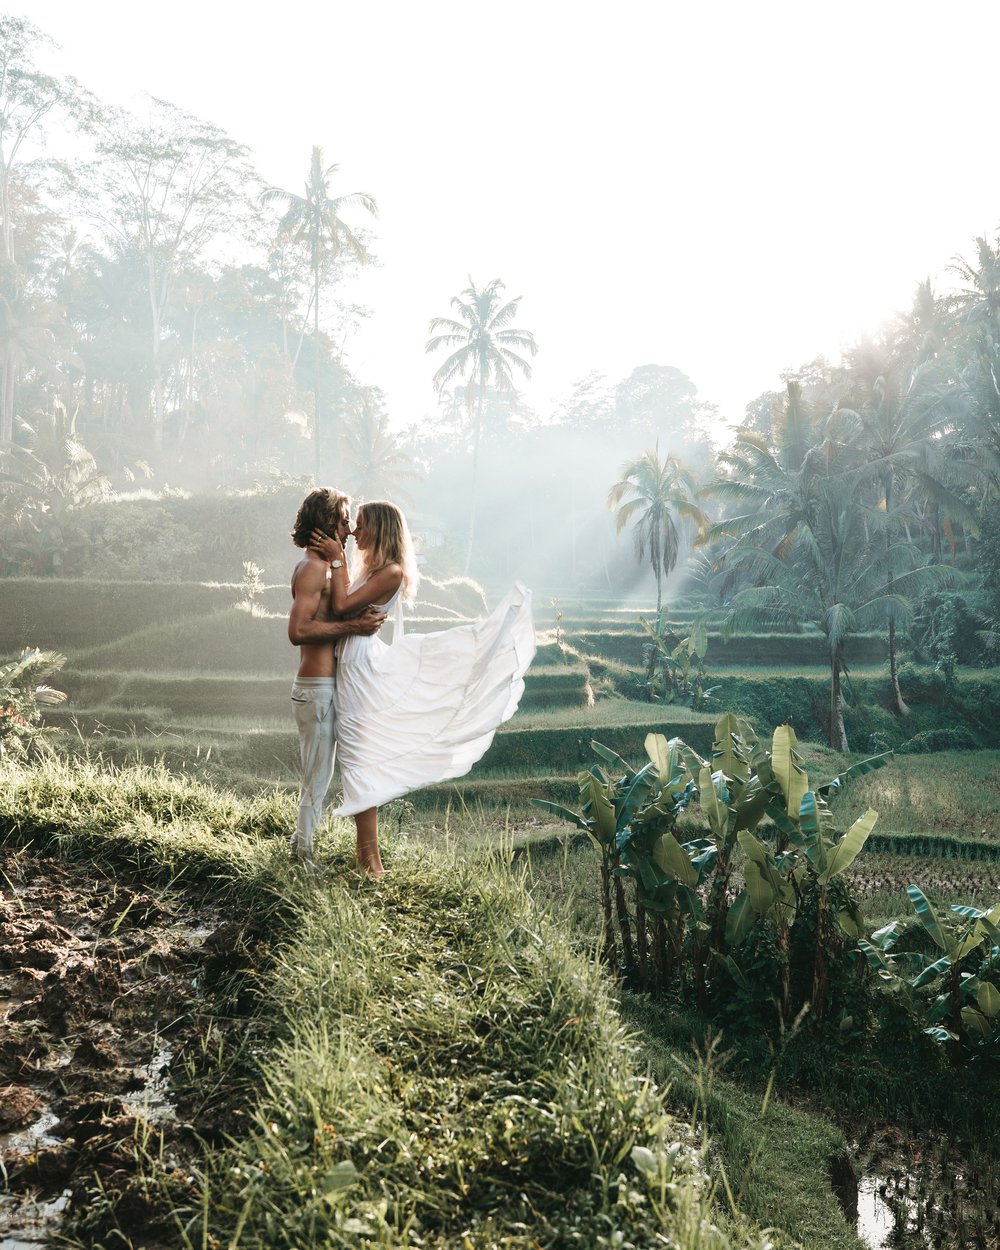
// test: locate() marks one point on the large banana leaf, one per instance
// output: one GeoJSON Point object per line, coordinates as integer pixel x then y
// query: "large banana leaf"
{"type": "Point", "coordinates": [941, 1034]}
{"type": "Point", "coordinates": [990, 925]}
{"type": "Point", "coordinates": [930, 972]}
{"type": "Point", "coordinates": [761, 892]}
{"type": "Point", "coordinates": [671, 857]}
{"type": "Point", "coordinates": [602, 810]}
{"type": "Point", "coordinates": [976, 1023]}
{"type": "Point", "coordinates": [877, 960]}
{"type": "Point", "coordinates": [970, 942]}
{"type": "Point", "coordinates": [968, 913]}
{"type": "Point", "coordinates": [564, 813]}
{"type": "Point", "coordinates": [988, 998]}
{"type": "Point", "coordinates": [792, 779]}
{"type": "Point", "coordinates": [808, 817]}
{"type": "Point", "coordinates": [724, 753]}
{"type": "Point", "coordinates": [836, 784]}
{"type": "Point", "coordinates": [851, 923]}
{"type": "Point", "coordinates": [734, 970]}
{"type": "Point", "coordinates": [887, 935]}
{"type": "Point", "coordinates": [750, 808]}
{"type": "Point", "coordinates": [611, 757]}
{"type": "Point", "coordinates": [739, 919]}
{"type": "Point", "coordinates": [849, 847]}
{"type": "Point", "coordinates": [634, 795]}
{"type": "Point", "coordinates": [789, 827]}
{"type": "Point", "coordinates": [711, 804]}
{"type": "Point", "coordinates": [659, 752]}
{"type": "Point", "coordinates": [928, 917]}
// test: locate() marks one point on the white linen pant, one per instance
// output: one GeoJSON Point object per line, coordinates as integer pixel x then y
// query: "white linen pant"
{"type": "Point", "coordinates": [314, 701]}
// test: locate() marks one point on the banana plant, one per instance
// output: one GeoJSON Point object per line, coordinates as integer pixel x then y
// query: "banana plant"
{"type": "Point", "coordinates": [681, 665]}
{"type": "Point", "coordinates": [953, 996]}
{"type": "Point", "coordinates": [631, 815]}
{"type": "Point", "coordinates": [22, 697]}
{"type": "Point", "coordinates": [808, 852]}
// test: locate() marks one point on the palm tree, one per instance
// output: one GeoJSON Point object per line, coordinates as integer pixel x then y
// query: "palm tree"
{"type": "Point", "coordinates": [814, 543]}
{"type": "Point", "coordinates": [483, 343]}
{"type": "Point", "coordinates": [656, 492]}
{"type": "Point", "coordinates": [374, 462]}
{"type": "Point", "coordinates": [833, 572]}
{"type": "Point", "coordinates": [313, 219]}
{"type": "Point", "coordinates": [44, 487]}
{"type": "Point", "coordinates": [910, 457]}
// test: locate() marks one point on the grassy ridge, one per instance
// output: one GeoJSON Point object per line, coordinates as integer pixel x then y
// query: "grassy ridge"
{"type": "Point", "coordinates": [450, 1073]}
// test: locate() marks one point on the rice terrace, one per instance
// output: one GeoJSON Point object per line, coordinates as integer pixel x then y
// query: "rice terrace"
{"type": "Point", "coordinates": [689, 930]}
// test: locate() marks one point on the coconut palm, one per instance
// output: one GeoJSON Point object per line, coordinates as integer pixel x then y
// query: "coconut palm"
{"type": "Point", "coordinates": [914, 464]}
{"type": "Point", "coordinates": [485, 350]}
{"type": "Point", "coordinates": [314, 221]}
{"type": "Point", "coordinates": [814, 542]}
{"type": "Point", "coordinates": [832, 571]}
{"type": "Point", "coordinates": [374, 463]}
{"type": "Point", "coordinates": [658, 494]}
{"type": "Point", "coordinates": [44, 488]}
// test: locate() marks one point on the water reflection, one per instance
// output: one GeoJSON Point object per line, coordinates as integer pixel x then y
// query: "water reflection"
{"type": "Point", "coordinates": [922, 1193]}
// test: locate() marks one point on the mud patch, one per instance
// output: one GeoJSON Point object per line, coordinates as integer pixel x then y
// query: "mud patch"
{"type": "Point", "coordinates": [118, 1007]}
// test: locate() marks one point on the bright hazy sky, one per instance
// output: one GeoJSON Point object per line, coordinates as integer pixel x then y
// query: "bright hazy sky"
{"type": "Point", "coordinates": [729, 188]}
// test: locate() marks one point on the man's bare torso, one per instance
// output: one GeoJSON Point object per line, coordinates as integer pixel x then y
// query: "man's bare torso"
{"type": "Point", "coordinates": [317, 659]}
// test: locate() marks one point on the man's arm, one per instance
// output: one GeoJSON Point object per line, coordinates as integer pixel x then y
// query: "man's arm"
{"type": "Point", "coordinates": [304, 629]}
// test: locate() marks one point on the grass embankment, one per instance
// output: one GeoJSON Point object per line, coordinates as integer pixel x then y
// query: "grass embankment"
{"type": "Point", "coordinates": [449, 1072]}
{"type": "Point", "coordinates": [536, 754]}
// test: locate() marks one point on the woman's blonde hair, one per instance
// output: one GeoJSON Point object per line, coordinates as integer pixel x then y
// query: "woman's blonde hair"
{"type": "Point", "coordinates": [389, 543]}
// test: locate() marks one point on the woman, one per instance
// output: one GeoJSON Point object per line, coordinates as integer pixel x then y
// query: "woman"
{"type": "Point", "coordinates": [418, 709]}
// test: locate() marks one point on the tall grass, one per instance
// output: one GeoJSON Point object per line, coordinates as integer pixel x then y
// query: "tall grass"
{"type": "Point", "coordinates": [146, 818]}
{"type": "Point", "coordinates": [447, 1070]}
{"type": "Point", "coordinates": [452, 1075]}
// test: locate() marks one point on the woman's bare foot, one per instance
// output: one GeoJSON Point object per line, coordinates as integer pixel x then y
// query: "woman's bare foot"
{"type": "Point", "coordinates": [368, 858]}
{"type": "Point", "coordinates": [372, 867]}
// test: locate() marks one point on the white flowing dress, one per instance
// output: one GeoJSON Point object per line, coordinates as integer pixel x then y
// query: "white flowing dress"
{"type": "Point", "coordinates": [423, 708]}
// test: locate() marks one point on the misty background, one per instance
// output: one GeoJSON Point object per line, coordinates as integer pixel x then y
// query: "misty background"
{"type": "Point", "coordinates": [199, 300]}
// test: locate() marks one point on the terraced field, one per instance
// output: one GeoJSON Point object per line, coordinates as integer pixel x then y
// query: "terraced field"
{"type": "Point", "coordinates": [207, 691]}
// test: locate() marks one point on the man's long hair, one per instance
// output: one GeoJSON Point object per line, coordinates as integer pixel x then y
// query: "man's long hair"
{"type": "Point", "coordinates": [390, 543]}
{"type": "Point", "coordinates": [321, 509]}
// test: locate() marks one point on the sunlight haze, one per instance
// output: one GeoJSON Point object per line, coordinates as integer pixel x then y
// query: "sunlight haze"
{"type": "Point", "coordinates": [727, 189]}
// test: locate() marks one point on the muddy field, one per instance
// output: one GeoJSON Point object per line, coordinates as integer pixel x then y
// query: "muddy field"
{"type": "Point", "coordinates": [127, 1034]}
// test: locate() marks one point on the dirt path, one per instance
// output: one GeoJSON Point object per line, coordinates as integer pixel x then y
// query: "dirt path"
{"type": "Point", "coordinates": [106, 994]}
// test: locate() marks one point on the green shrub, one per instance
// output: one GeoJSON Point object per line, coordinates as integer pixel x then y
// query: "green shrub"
{"type": "Point", "coordinates": [947, 628]}
{"type": "Point", "coordinates": [958, 738]}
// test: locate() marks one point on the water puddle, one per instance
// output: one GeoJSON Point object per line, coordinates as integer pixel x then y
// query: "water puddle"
{"type": "Point", "coordinates": [31, 1139]}
{"type": "Point", "coordinates": [905, 1191]}
{"type": "Point", "coordinates": [27, 1222]}
{"type": "Point", "coordinates": [151, 1101]}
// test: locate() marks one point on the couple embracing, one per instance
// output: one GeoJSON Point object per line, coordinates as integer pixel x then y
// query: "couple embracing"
{"type": "Point", "coordinates": [401, 711]}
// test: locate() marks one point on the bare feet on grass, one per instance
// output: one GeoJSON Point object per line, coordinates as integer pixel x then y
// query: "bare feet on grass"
{"type": "Point", "coordinates": [368, 858]}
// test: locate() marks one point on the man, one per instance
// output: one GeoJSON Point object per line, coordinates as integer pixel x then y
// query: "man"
{"type": "Point", "coordinates": [312, 628]}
